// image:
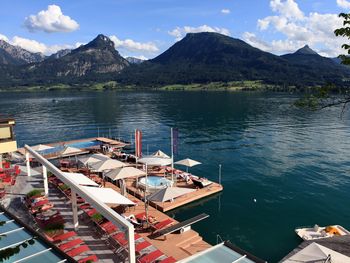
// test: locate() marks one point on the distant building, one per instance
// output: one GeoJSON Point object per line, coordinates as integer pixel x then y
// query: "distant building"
{"type": "Point", "coordinates": [8, 141]}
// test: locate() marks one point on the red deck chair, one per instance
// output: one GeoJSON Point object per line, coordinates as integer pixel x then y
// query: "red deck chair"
{"type": "Point", "coordinates": [70, 244]}
{"type": "Point", "coordinates": [163, 224]}
{"type": "Point", "coordinates": [120, 238]}
{"type": "Point", "coordinates": [141, 216]}
{"type": "Point", "coordinates": [13, 181]}
{"type": "Point", "coordinates": [77, 251]}
{"type": "Point", "coordinates": [168, 260]}
{"type": "Point", "coordinates": [151, 256]}
{"type": "Point", "coordinates": [40, 203]}
{"type": "Point", "coordinates": [6, 179]}
{"type": "Point", "coordinates": [142, 245]}
{"type": "Point", "coordinates": [91, 212]}
{"type": "Point", "coordinates": [64, 236]}
{"type": "Point", "coordinates": [91, 258]}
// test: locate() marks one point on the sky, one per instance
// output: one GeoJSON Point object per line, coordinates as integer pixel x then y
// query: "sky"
{"type": "Point", "coordinates": [146, 28]}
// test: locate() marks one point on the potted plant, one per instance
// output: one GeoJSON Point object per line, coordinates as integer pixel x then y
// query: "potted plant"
{"type": "Point", "coordinates": [54, 229]}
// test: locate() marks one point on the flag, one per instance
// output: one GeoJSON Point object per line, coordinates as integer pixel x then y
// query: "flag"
{"type": "Point", "coordinates": [138, 143]}
{"type": "Point", "coordinates": [175, 137]}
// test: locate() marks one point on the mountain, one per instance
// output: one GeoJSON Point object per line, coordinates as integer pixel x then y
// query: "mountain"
{"type": "Point", "coordinates": [315, 66]}
{"type": "Point", "coordinates": [96, 60]}
{"type": "Point", "coordinates": [210, 57]}
{"type": "Point", "coordinates": [133, 60]}
{"type": "Point", "coordinates": [207, 57]}
{"type": "Point", "coordinates": [60, 53]}
{"type": "Point", "coordinates": [15, 55]}
{"type": "Point", "coordinates": [197, 58]}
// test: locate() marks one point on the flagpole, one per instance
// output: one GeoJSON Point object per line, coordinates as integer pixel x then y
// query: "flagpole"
{"type": "Point", "coordinates": [172, 155]}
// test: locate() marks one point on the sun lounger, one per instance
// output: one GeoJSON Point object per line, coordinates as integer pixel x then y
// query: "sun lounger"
{"type": "Point", "coordinates": [181, 226]}
{"type": "Point", "coordinates": [77, 251]}
{"type": "Point", "coordinates": [120, 238]}
{"type": "Point", "coordinates": [151, 257]}
{"type": "Point", "coordinates": [168, 260]}
{"type": "Point", "coordinates": [70, 244]}
{"type": "Point", "coordinates": [92, 258]}
{"type": "Point", "coordinates": [142, 245]}
{"type": "Point", "coordinates": [162, 224]}
{"type": "Point", "coordinates": [64, 236]}
{"type": "Point", "coordinates": [91, 212]}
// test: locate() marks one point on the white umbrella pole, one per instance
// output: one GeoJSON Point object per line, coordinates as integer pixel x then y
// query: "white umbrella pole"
{"type": "Point", "coordinates": [172, 156]}
{"type": "Point", "coordinates": [146, 205]}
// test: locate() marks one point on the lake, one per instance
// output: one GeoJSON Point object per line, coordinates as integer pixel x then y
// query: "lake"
{"type": "Point", "coordinates": [295, 163]}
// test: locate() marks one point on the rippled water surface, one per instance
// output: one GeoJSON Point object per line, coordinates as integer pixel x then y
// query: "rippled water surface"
{"type": "Point", "coordinates": [293, 162]}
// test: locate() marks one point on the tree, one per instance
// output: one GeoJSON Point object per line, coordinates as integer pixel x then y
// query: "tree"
{"type": "Point", "coordinates": [324, 99]}
{"type": "Point", "coordinates": [344, 32]}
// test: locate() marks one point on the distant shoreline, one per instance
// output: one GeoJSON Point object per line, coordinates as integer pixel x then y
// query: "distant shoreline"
{"type": "Point", "coordinates": [114, 86]}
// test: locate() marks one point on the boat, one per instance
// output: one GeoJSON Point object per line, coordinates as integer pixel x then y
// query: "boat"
{"type": "Point", "coordinates": [317, 232]}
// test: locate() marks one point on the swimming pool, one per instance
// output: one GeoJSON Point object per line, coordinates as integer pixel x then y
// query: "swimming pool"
{"type": "Point", "coordinates": [79, 145]}
{"type": "Point", "coordinates": [154, 183]}
{"type": "Point", "coordinates": [12, 234]}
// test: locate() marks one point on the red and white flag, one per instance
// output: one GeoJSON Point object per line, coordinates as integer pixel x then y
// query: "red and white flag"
{"type": "Point", "coordinates": [138, 143]}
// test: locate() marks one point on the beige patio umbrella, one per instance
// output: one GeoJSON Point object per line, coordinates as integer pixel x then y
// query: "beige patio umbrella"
{"type": "Point", "coordinates": [108, 164]}
{"type": "Point", "coordinates": [93, 158]}
{"type": "Point", "coordinates": [70, 151]}
{"type": "Point", "coordinates": [188, 163]}
{"type": "Point", "coordinates": [161, 154]}
{"type": "Point", "coordinates": [124, 172]}
{"type": "Point", "coordinates": [168, 193]}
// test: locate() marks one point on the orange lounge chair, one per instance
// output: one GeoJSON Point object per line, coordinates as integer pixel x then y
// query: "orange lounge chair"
{"type": "Point", "coordinates": [92, 258]}
{"type": "Point", "coordinates": [70, 244]}
{"type": "Point", "coordinates": [64, 236]}
{"type": "Point", "coordinates": [77, 251]}
{"type": "Point", "coordinates": [151, 257]}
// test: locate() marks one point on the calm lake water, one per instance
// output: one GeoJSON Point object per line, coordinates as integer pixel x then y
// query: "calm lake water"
{"type": "Point", "coordinates": [295, 163]}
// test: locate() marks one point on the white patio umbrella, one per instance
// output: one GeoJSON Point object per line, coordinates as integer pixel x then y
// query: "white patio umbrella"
{"type": "Point", "coordinates": [161, 154]}
{"type": "Point", "coordinates": [317, 253]}
{"type": "Point", "coordinates": [80, 179]}
{"type": "Point", "coordinates": [107, 196]}
{"type": "Point", "coordinates": [155, 161]}
{"type": "Point", "coordinates": [124, 172]}
{"type": "Point", "coordinates": [188, 163]}
{"type": "Point", "coordinates": [168, 193]}
{"type": "Point", "coordinates": [93, 158]}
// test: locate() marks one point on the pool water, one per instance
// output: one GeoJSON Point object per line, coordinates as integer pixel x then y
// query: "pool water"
{"type": "Point", "coordinates": [154, 183]}
{"type": "Point", "coordinates": [79, 145]}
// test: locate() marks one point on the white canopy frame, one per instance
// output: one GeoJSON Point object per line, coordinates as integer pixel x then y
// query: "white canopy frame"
{"type": "Point", "coordinates": [102, 208]}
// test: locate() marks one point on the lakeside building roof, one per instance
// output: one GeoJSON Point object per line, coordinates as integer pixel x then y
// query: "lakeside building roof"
{"type": "Point", "coordinates": [224, 253]}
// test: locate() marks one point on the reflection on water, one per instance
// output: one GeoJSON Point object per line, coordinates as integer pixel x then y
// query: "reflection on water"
{"type": "Point", "coordinates": [294, 163]}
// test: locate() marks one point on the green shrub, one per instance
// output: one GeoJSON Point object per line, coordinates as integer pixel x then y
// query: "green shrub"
{"type": "Point", "coordinates": [35, 192]}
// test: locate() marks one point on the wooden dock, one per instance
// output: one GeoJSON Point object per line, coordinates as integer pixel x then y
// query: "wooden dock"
{"type": "Point", "coordinates": [179, 201]}
{"type": "Point", "coordinates": [177, 245]}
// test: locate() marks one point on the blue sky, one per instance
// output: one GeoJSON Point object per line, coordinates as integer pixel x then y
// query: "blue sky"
{"type": "Point", "coordinates": [145, 28]}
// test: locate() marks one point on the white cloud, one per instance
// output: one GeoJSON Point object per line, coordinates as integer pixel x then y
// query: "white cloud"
{"type": "Point", "coordinates": [50, 20]}
{"type": "Point", "coordinates": [33, 45]}
{"type": "Point", "coordinates": [343, 4]}
{"type": "Point", "coordinates": [225, 11]}
{"type": "Point", "coordinates": [180, 32]}
{"type": "Point", "coordinates": [3, 37]}
{"type": "Point", "coordinates": [133, 46]}
{"type": "Point", "coordinates": [298, 29]}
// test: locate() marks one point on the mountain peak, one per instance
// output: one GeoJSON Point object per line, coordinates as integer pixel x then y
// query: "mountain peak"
{"type": "Point", "coordinates": [101, 41]}
{"type": "Point", "coordinates": [306, 50]}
